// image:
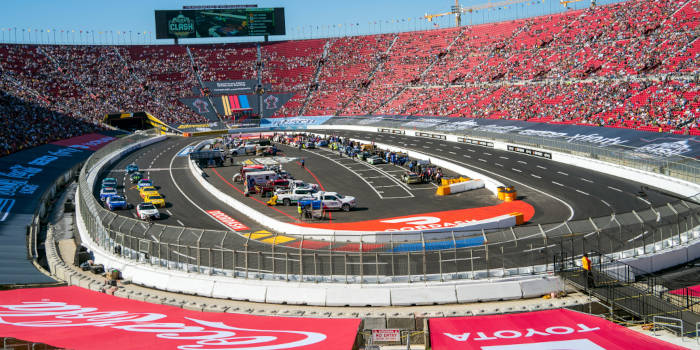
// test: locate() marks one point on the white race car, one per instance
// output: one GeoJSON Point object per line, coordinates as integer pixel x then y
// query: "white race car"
{"type": "Point", "coordinates": [147, 211]}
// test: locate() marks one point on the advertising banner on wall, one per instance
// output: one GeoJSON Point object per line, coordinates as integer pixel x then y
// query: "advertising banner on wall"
{"type": "Point", "coordinates": [644, 144]}
{"type": "Point", "coordinates": [293, 122]}
{"type": "Point", "coordinates": [77, 318]}
{"type": "Point", "coordinates": [540, 330]}
{"type": "Point", "coordinates": [24, 177]}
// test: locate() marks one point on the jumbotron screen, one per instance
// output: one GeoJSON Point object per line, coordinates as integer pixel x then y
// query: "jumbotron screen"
{"type": "Point", "coordinates": [212, 23]}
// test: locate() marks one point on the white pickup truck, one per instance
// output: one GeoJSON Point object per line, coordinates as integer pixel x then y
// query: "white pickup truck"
{"type": "Point", "coordinates": [335, 201]}
{"type": "Point", "coordinates": [248, 148]}
{"type": "Point", "coordinates": [289, 197]}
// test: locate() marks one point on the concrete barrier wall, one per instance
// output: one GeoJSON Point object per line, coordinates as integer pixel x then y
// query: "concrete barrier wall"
{"type": "Point", "coordinates": [317, 294]}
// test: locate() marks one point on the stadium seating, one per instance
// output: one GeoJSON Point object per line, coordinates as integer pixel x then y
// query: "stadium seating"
{"type": "Point", "coordinates": [632, 64]}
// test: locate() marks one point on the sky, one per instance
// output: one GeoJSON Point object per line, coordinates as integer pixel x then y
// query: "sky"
{"type": "Point", "coordinates": [132, 21]}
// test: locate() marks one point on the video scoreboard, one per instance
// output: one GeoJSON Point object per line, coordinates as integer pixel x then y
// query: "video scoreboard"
{"type": "Point", "coordinates": [213, 23]}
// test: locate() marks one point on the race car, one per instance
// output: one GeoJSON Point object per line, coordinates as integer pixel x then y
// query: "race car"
{"type": "Point", "coordinates": [155, 199]}
{"type": "Point", "coordinates": [109, 182]}
{"type": "Point", "coordinates": [132, 168]}
{"type": "Point", "coordinates": [147, 211]}
{"type": "Point", "coordinates": [375, 160]}
{"type": "Point", "coordinates": [116, 202]}
{"type": "Point", "coordinates": [135, 177]}
{"type": "Point", "coordinates": [107, 192]}
{"type": "Point", "coordinates": [144, 183]}
{"type": "Point", "coordinates": [411, 178]}
{"type": "Point", "coordinates": [148, 191]}
{"type": "Point", "coordinates": [322, 143]}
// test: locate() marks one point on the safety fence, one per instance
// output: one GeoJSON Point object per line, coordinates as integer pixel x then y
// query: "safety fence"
{"type": "Point", "coordinates": [680, 167]}
{"type": "Point", "coordinates": [518, 251]}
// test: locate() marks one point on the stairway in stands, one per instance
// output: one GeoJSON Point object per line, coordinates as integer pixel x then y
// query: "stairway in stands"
{"type": "Point", "coordinates": [619, 285]}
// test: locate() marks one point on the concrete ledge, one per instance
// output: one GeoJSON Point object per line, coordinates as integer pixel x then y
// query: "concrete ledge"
{"type": "Point", "coordinates": [349, 296]}
{"type": "Point", "coordinates": [488, 292]}
{"type": "Point", "coordinates": [239, 291]}
{"type": "Point", "coordinates": [538, 287]}
{"type": "Point", "coordinates": [184, 284]}
{"type": "Point", "coordinates": [425, 295]}
{"type": "Point", "coordinates": [296, 294]}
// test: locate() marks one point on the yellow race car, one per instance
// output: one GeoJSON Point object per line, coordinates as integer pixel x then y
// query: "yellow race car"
{"type": "Point", "coordinates": [155, 199]}
{"type": "Point", "coordinates": [148, 191]}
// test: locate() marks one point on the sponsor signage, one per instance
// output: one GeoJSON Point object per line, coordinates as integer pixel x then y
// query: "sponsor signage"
{"type": "Point", "coordinates": [293, 123]}
{"type": "Point", "coordinates": [541, 330]}
{"type": "Point", "coordinates": [24, 177]}
{"type": "Point", "coordinates": [391, 131]}
{"type": "Point", "coordinates": [637, 144]}
{"type": "Point", "coordinates": [386, 335]}
{"type": "Point", "coordinates": [219, 22]}
{"type": "Point", "coordinates": [434, 220]}
{"type": "Point", "coordinates": [432, 136]}
{"type": "Point", "coordinates": [529, 151]}
{"type": "Point", "coordinates": [77, 318]}
{"type": "Point", "coordinates": [227, 220]}
{"type": "Point", "coordinates": [475, 142]}
{"type": "Point", "coordinates": [233, 87]}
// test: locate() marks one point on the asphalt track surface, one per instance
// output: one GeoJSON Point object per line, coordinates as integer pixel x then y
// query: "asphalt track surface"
{"type": "Point", "coordinates": [558, 192]}
{"type": "Point", "coordinates": [377, 188]}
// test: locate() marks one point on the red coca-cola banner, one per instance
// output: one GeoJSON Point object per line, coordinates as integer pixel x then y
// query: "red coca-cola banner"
{"type": "Point", "coordinates": [76, 318]}
{"type": "Point", "coordinates": [541, 330]}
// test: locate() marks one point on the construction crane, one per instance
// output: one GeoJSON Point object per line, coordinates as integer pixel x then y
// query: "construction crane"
{"type": "Point", "coordinates": [458, 10]}
{"type": "Point", "coordinates": [567, 2]}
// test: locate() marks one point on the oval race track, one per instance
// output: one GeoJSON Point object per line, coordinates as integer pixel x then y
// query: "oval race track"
{"type": "Point", "coordinates": [557, 191]}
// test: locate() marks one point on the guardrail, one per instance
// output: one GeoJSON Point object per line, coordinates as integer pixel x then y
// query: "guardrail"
{"type": "Point", "coordinates": [681, 167]}
{"type": "Point", "coordinates": [524, 250]}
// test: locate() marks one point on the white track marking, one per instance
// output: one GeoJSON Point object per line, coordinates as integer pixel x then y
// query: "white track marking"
{"type": "Point", "coordinates": [558, 184]}
{"type": "Point", "coordinates": [452, 152]}
{"type": "Point", "coordinates": [562, 173]}
{"type": "Point", "coordinates": [501, 165]}
{"type": "Point", "coordinates": [615, 189]}
{"type": "Point", "coordinates": [522, 162]}
{"type": "Point", "coordinates": [541, 167]}
{"type": "Point", "coordinates": [172, 178]}
{"type": "Point", "coordinates": [587, 180]}
{"type": "Point", "coordinates": [518, 170]}
{"type": "Point", "coordinates": [483, 160]}
{"type": "Point", "coordinates": [487, 153]}
{"type": "Point", "coordinates": [581, 192]}
{"type": "Point", "coordinates": [388, 176]}
{"type": "Point", "coordinates": [502, 157]}
{"type": "Point", "coordinates": [536, 176]}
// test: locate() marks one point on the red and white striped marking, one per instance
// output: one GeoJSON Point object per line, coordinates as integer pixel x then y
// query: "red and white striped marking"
{"type": "Point", "coordinates": [227, 220]}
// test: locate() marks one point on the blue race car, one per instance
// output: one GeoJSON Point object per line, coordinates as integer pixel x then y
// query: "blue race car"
{"type": "Point", "coordinates": [144, 183]}
{"type": "Point", "coordinates": [132, 168]}
{"type": "Point", "coordinates": [107, 192]}
{"type": "Point", "coordinates": [109, 182]}
{"type": "Point", "coordinates": [116, 202]}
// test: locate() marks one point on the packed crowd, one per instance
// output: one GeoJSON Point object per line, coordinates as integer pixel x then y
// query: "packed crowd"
{"type": "Point", "coordinates": [632, 64]}
{"type": "Point", "coordinates": [28, 124]}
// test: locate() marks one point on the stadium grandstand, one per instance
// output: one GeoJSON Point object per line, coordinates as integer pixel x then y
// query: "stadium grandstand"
{"type": "Point", "coordinates": [632, 66]}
